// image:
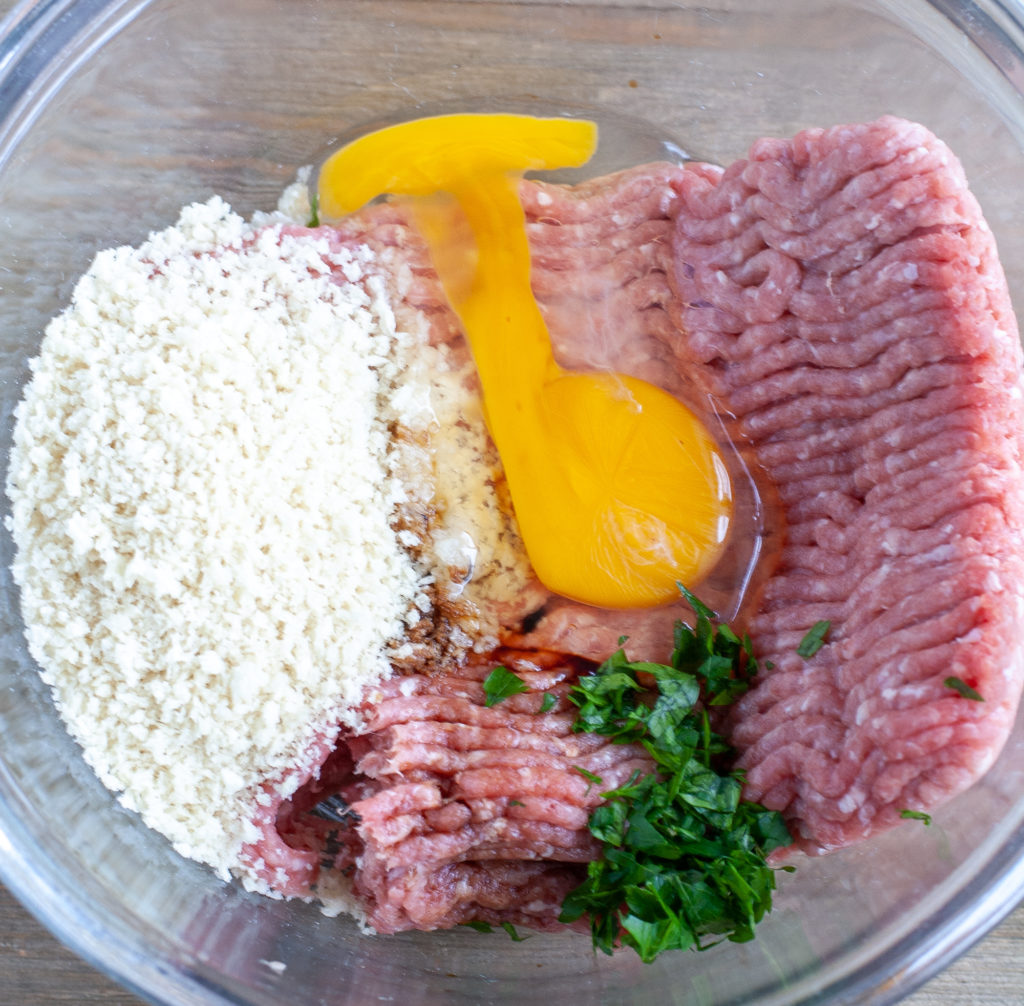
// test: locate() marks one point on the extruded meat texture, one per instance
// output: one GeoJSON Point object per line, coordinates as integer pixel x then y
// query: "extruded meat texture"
{"type": "Point", "coordinates": [458, 811]}
{"type": "Point", "coordinates": [840, 297]}
{"type": "Point", "coordinates": [485, 795]}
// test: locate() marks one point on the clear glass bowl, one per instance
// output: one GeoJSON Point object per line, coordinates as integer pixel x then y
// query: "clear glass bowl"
{"type": "Point", "coordinates": [113, 113]}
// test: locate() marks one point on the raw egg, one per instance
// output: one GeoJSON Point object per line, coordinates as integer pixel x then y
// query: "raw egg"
{"type": "Point", "coordinates": [619, 490]}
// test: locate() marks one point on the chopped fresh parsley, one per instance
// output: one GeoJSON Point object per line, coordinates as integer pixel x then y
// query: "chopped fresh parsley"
{"type": "Point", "coordinates": [548, 702]}
{"type": "Point", "coordinates": [486, 927]}
{"type": "Point", "coordinates": [500, 684]}
{"type": "Point", "coordinates": [314, 210]}
{"type": "Point", "coordinates": [916, 815]}
{"type": "Point", "coordinates": [594, 780]}
{"type": "Point", "coordinates": [964, 689]}
{"type": "Point", "coordinates": [814, 640]}
{"type": "Point", "coordinates": [683, 863]}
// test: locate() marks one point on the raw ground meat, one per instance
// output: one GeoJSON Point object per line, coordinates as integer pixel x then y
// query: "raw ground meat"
{"type": "Point", "coordinates": [840, 297]}
{"type": "Point", "coordinates": [840, 293]}
{"type": "Point", "coordinates": [459, 811]}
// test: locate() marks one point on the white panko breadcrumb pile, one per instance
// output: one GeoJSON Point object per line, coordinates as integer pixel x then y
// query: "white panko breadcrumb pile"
{"type": "Point", "coordinates": [204, 601]}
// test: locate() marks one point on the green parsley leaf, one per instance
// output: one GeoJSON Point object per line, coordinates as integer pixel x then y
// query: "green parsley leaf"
{"type": "Point", "coordinates": [608, 822]}
{"type": "Point", "coordinates": [314, 210]}
{"type": "Point", "coordinates": [964, 689]}
{"type": "Point", "coordinates": [814, 640]}
{"type": "Point", "coordinates": [700, 609]}
{"type": "Point", "coordinates": [548, 703]}
{"type": "Point", "coordinates": [683, 860]}
{"type": "Point", "coordinates": [486, 927]}
{"type": "Point", "coordinates": [516, 803]}
{"type": "Point", "coordinates": [500, 684]}
{"type": "Point", "coordinates": [667, 722]}
{"type": "Point", "coordinates": [594, 780]}
{"type": "Point", "coordinates": [916, 815]}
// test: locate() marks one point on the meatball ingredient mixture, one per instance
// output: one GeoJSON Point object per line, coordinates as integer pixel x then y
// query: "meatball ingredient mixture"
{"type": "Point", "coordinates": [837, 295]}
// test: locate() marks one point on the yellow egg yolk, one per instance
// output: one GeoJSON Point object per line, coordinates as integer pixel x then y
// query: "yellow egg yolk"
{"type": "Point", "coordinates": [619, 491]}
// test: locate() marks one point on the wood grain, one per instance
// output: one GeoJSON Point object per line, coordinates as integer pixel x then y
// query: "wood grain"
{"type": "Point", "coordinates": [36, 970]}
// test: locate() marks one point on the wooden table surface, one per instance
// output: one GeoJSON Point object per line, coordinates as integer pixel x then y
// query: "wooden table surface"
{"type": "Point", "coordinates": [35, 970]}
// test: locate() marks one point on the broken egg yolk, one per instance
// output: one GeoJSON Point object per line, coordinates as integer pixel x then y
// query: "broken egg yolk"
{"type": "Point", "coordinates": [619, 491]}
